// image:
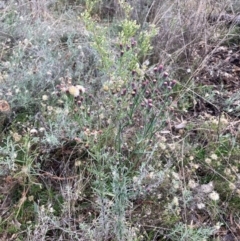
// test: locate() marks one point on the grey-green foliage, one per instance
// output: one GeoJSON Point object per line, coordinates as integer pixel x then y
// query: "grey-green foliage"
{"type": "Point", "coordinates": [184, 232]}
{"type": "Point", "coordinates": [8, 154]}
{"type": "Point", "coordinates": [121, 201]}
{"type": "Point", "coordinates": [42, 53]}
{"type": "Point", "coordinates": [231, 104]}
{"type": "Point", "coordinates": [60, 127]}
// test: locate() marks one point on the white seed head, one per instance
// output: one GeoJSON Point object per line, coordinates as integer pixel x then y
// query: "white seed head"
{"type": "Point", "coordinates": [73, 90]}
{"type": "Point", "coordinates": [207, 188]}
{"type": "Point", "coordinates": [44, 97]}
{"type": "Point", "coordinates": [33, 131]}
{"type": "Point", "coordinates": [200, 205]}
{"type": "Point", "coordinates": [214, 196]}
{"type": "Point", "coordinates": [214, 157]}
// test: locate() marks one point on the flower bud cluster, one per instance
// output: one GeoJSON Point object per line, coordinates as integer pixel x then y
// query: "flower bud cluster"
{"type": "Point", "coordinates": [126, 47]}
{"type": "Point", "coordinates": [154, 91]}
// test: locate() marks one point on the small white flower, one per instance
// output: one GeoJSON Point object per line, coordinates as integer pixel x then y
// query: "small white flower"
{"type": "Point", "coordinates": [227, 171]}
{"type": "Point", "coordinates": [44, 97]}
{"type": "Point", "coordinates": [51, 210]}
{"type": "Point", "coordinates": [213, 195]}
{"type": "Point", "coordinates": [195, 166]}
{"type": "Point", "coordinates": [192, 184]}
{"type": "Point", "coordinates": [162, 146]}
{"type": "Point", "coordinates": [175, 201]}
{"type": "Point", "coordinates": [208, 161]}
{"type": "Point", "coordinates": [215, 122]}
{"type": "Point", "coordinates": [49, 108]}
{"type": "Point", "coordinates": [218, 163]}
{"type": "Point", "coordinates": [150, 175]}
{"type": "Point", "coordinates": [33, 131]}
{"type": "Point", "coordinates": [135, 179]}
{"type": "Point", "coordinates": [224, 121]}
{"type": "Point", "coordinates": [214, 157]}
{"type": "Point", "coordinates": [175, 184]}
{"type": "Point", "coordinates": [235, 169]}
{"type": "Point", "coordinates": [25, 169]}
{"type": "Point", "coordinates": [41, 129]}
{"type": "Point", "coordinates": [218, 225]}
{"type": "Point", "coordinates": [78, 163]}
{"type": "Point", "coordinates": [101, 116]}
{"type": "Point", "coordinates": [238, 192]}
{"type": "Point", "coordinates": [172, 147]}
{"type": "Point", "coordinates": [232, 186]}
{"type": "Point", "coordinates": [159, 196]}
{"type": "Point", "coordinates": [16, 136]}
{"type": "Point", "coordinates": [31, 198]}
{"type": "Point", "coordinates": [200, 205]}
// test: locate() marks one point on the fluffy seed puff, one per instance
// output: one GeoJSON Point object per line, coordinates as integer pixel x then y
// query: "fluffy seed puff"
{"type": "Point", "coordinates": [76, 90]}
